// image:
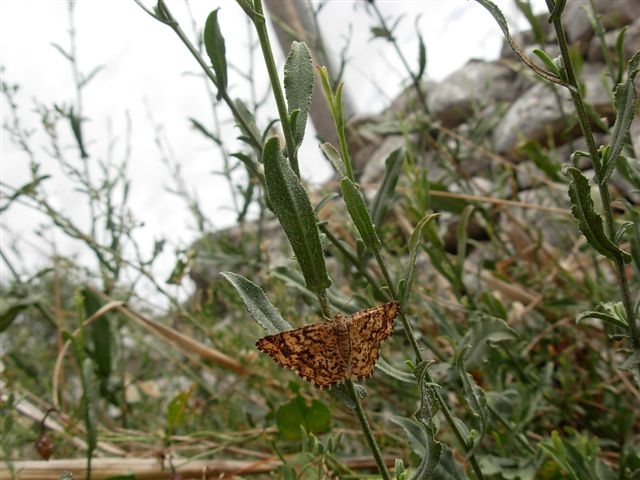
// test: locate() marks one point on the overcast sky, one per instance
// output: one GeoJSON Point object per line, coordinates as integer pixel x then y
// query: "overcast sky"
{"type": "Point", "coordinates": [146, 70]}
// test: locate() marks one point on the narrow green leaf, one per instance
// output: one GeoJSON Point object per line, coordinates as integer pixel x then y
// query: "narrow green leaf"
{"type": "Point", "coordinates": [475, 398]}
{"type": "Point", "coordinates": [620, 56]}
{"type": "Point", "coordinates": [496, 13]}
{"type": "Point", "coordinates": [589, 222]}
{"type": "Point", "coordinates": [578, 456]}
{"type": "Point", "coordinates": [443, 203]}
{"type": "Point", "coordinates": [100, 334]}
{"type": "Point", "coordinates": [253, 167]}
{"type": "Point", "coordinates": [485, 330]}
{"type": "Point", "coordinates": [462, 238]}
{"type": "Point", "coordinates": [298, 86]}
{"type": "Point", "coordinates": [9, 313]}
{"type": "Point", "coordinates": [635, 241]}
{"type": "Point", "coordinates": [605, 317]}
{"type": "Point", "coordinates": [429, 406]}
{"type": "Point", "coordinates": [399, 469]}
{"type": "Point", "coordinates": [293, 117]}
{"type": "Point", "coordinates": [413, 431]}
{"type": "Point", "coordinates": [257, 304]}
{"type": "Point", "coordinates": [292, 206]}
{"type": "Point", "coordinates": [534, 151]}
{"type": "Point", "coordinates": [525, 7]}
{"type": "Point", "coordinates": [252, 130]}
{"type": "Point", "coordinates": [203, 130]}
{"type": "Point", "coordinates": [62, 51]}
{"type": "Point", "coordinates": [491, 304]}
{"type": "Point", "coordinates": [384, 196]}
{"type": "Point", "coordinates": [91, 75]}
{"type": "Point", "coordinates": [214, 44]}
{"type": "Point", "coordinates": [439, 258]}
{"type": "Point", "coordinates": [414, 247]}
{"type": "Point", "coordinates": [359, 213]}
{"type": "Point", "coordinates": [333, 155]}
{"type": "Point", "coordinates": [76, 127]}
{"type": "Point", "coordinates": [449, 468]}
{"type": "Point", "coordinates": [393, 372]}
{"type": "Point", "coordinates": [625, 96]}
{"type": "Point", "coordinates": [90, 401]}
{"type": "Point", "coordinates": [176, 409]}
{"type": "Point", "coordinates": [548, 61]}
{"type": "Point", "coordinates": [28, 188]}
{"type": "Point", "coordinates": [422, 52]}
{"type": "Point", "coordinates": [380, 31]}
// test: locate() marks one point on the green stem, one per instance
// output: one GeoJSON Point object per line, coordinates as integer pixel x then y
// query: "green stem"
{"type": "Point", "coordinates": [414, 80]}
{"type": "Point", "coordinates": [263, 37]}
{"type": "Point", "coordinates": [173, 23]}
{"type": "Point", "coordinates": [368, 433]}
{"type": "Point", "coordinates": [403, 319]}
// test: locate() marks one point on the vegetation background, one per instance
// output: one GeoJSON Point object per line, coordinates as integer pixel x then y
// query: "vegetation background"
{"type": "Point", "coordinates": [471, 385]}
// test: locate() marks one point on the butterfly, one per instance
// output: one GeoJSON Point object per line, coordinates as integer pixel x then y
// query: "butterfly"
{"type": "Point", "coordinates": [328, 353]}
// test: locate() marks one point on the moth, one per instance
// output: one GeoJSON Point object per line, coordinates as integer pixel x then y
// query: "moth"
{"type": "Point", "coordinates": [328, 353]}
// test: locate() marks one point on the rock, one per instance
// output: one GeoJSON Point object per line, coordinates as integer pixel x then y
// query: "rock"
{"type": "Point", "coordinates": [613, 14]}
{"type": "Point", "coordinates": [475, 85]}
{"type": "Point", "coordinates": [542, 114]}
{"type": "Point", "coordinates": [630, 45]}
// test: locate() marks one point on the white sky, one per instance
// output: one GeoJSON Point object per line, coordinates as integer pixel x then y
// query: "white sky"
{"type": "Point", "coordinates": [145, 64]}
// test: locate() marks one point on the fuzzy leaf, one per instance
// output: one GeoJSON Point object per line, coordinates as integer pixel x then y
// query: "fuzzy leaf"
{"type": "Point", "coordinates": [414, 247]}
{"type": "Point", "coordinates": [449, 468]}
{"type": "Point", "coordinates": [100, 334]}
{"type": "Point", "coordinates": [359, 213]}
{"type": "Point", "coordinates": [298, 87]}
{"type": "Point", "coordinates": [589, 222]}
{"type": "Point", "coordinates": [429, 406]}
{"type": "Point", "coordinates": [547, 60]}
{"type": "Point", "coordinates": [333, 155]}
{"type": "Point", "coordinates": [485, 329]}
{"type": "Point", "coordinates": [384, 196]}
{"type": "Point", "coordinates": [625, 104]}
{"type": "Point", "coordinates": [605, 317]}
{"type": "Point", "coordinates": [475, 398]}
{"type": "Point", "coordinates": [257, 304]}
{"type": "Point", "coordinates": [292, 206]}
{"type": "Point", "coordinates": [393, 372]}
{"type": "Point", "coordinates": [214, 44]}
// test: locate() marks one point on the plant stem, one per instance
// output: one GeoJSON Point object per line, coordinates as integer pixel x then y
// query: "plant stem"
{"type": "Point", "coordinates": [173, 23]}
{"type": "Point", "coordinates": [263, 37]}
{"type": "Point", "coordinates": [407, 326]}
{"type": "Point", "coordinates": [414, 80]}
{"type": "Point", "coordinates": [368, 433]}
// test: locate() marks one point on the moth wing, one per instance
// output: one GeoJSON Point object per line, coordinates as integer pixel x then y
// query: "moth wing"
{"type": "Point", "coordinates": [367, 330]}
{"type": "Point", "coordinates": [311, 351]}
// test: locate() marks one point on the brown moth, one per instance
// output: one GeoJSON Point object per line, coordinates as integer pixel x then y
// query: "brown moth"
{"type": "Point", "coordinates": [328, 353]}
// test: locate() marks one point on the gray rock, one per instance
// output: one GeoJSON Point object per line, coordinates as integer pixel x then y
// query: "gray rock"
{"type": "Point", "coordinates": [476, 84]}
{"type": "Point", "coordinates": [541, 114]}
{"type": "Point", "coordinates": [630, 46]}
{"type": "Point", "coordinates": [613, 14]}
